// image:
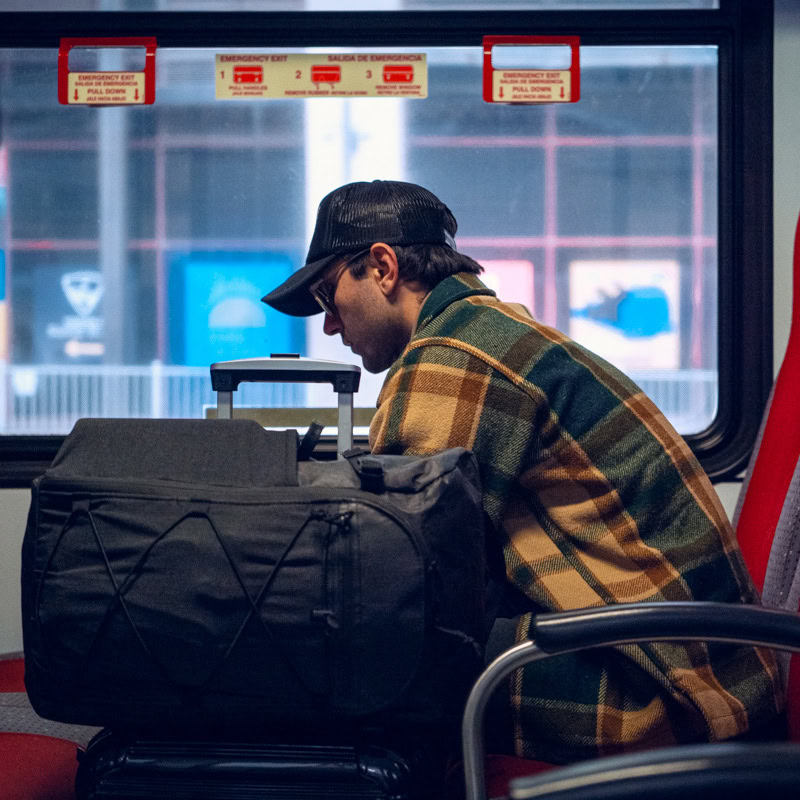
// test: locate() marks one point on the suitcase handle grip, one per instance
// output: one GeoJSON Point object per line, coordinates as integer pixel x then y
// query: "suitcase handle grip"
{"type": "Point", "coordinates": [227, 375]}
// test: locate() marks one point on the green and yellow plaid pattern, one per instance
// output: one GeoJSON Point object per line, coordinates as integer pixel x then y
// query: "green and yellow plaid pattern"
{"type": "Point", "coordinates": [596, 500]}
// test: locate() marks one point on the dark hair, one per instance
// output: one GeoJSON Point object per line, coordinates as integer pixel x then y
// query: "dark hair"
{"type": "Point", "coordinates": [426, 264]}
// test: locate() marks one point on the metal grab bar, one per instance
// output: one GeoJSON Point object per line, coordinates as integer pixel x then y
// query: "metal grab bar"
{"type": "Point", "coordinates": [628, 623]}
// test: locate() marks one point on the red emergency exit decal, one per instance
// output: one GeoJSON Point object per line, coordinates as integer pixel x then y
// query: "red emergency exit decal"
{"type": "Point", "coordinates": [531, 86]}
{"type": "Point", "coordinates": [397, 73]}
{"type": "Point", "coordinates": [326, 73]}
{"type": "Point", "coordinates": [248, 74]}
{"type": "Point", "coordinates": [107, 88]}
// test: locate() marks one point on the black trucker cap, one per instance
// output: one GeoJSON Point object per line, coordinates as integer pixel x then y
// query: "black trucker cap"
{"type": "Point", "coordinates": [354, 217]}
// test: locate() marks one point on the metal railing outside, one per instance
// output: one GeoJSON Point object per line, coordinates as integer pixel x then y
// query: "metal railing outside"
{"type": "Point", "coordinates": [48, 399]}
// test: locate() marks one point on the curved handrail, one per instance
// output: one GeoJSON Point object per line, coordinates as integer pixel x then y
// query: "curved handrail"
{"type": "Point", "coordinates": [628, 623]}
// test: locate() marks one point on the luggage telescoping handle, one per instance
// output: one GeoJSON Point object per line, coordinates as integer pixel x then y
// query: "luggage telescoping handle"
{"type": "Point", "coordinates": [227, 375]}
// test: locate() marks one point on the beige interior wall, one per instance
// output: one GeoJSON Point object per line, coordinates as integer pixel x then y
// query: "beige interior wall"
{"type": "Point", "coordinates": [14, 505]}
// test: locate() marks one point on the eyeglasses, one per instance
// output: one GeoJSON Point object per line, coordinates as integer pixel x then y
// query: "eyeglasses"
{"type": "Point", "coordinates": [324, 290]}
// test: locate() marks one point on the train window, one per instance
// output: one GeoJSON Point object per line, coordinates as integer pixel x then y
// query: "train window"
{"type": "Point", "coordinates": [137, 240]}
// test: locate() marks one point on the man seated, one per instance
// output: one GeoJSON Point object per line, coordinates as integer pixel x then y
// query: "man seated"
{"type": "Point", "coordinates": [593, 497]}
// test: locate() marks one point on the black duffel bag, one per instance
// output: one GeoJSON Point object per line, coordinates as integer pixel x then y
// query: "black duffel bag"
{"type": "Point", "coordinates": [192, 573]}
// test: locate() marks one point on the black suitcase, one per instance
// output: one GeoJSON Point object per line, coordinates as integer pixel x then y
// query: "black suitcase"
{"type": "Point", "coordinates": [116, 767]}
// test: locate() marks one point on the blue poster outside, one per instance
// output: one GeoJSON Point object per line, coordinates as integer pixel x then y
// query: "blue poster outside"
{"type": "Point", "coordinates": [223, 316]}
{"type": "Point", "coordinates": [66, 325]}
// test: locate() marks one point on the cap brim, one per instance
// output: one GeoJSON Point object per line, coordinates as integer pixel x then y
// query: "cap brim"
{"type": "Point", "coordinates": [292, 296]}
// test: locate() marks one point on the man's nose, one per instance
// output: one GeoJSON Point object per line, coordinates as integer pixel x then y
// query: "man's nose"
{"type": "Point", "coordinates": [331, 325]}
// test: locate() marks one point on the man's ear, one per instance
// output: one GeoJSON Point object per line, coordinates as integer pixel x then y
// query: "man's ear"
{"type": "Point", "coordinates": [383, 262]}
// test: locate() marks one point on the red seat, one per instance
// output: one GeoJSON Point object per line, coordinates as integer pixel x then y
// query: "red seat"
{"type": "Point", "coordinates": [500, 770]}
{"type": "Point", "coordinates": [776, 455]}
{"type": "Point", "coordinates": [12, 675]}
{"type": "Point", "coordinates": [767, 520]}
{"type": "Point", "coordinates": [33, 767]}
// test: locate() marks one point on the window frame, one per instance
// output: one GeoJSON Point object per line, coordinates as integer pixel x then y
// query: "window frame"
{"type": "Point", "coordinates": [741, 29]}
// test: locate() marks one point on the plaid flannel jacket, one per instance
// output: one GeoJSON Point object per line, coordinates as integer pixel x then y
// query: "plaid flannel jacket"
{"type": "Point", "coordinates": [596, 500]}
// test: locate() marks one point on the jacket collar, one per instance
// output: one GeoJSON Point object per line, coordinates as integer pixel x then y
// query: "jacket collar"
{"type": "Point", "coordinates": [456, 287]}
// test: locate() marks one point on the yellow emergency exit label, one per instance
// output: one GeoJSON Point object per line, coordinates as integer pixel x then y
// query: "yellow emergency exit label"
{"type": "Point", "coordinates": [106, 88]}
{"type": "Point", "coordinates": [282, 75]}
{"type": "Point", "coordinates": [531, 86]}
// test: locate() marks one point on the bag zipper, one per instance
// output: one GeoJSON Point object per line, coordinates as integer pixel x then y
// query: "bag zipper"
{"type": "Point", "coordinates": [144, 490]}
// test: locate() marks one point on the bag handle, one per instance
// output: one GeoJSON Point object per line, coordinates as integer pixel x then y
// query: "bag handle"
{"type": "Point", "coordinates": [368, 468]}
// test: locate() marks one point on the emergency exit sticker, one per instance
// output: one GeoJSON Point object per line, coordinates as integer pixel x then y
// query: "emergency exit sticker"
{"type": "Point", "coordinates": [112, 87]}
{"type": "Point", "coordinates": [531, 86]}
{"type": "Point", "coordinates": [106, 88]}
{"type": "Point", "coordinates": [283, 75]}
